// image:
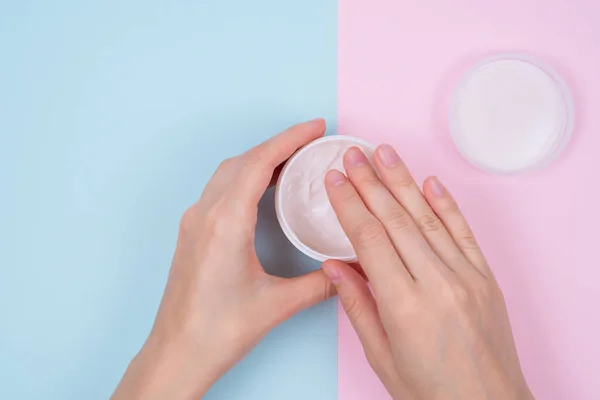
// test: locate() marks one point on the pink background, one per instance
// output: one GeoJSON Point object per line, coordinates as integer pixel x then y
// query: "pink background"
{"type": "Point", "coordinates": [398, 62]}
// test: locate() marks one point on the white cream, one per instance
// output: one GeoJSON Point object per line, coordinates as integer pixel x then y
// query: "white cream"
{"type": "Point", "coordinates": [509, 115]}
{"type": "Point", "coordinates": [303, 208]}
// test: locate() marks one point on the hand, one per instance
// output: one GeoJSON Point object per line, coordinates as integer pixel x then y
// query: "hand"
{"type": "Point", "coordinates": [219, 302]}
{"type": "Point", "coordinates": [435, 325]}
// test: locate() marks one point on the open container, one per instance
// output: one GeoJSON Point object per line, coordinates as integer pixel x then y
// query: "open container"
{"type": "Point", "coordinates": [301, 203]}
{"type": "Point", "coordinates": [511, 113]}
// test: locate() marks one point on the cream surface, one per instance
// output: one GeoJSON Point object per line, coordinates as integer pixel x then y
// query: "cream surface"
{"type": "Point", "coordinates": [302, 199]}
{"type": "Point", "coordinates": [510, 114]}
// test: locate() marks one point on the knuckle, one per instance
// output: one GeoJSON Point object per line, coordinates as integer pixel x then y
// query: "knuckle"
{"type": "Point", "coordinates": [447, 206]}
{"type": "Point", "coordinates": [429, 223]}
{"type": "Point", "coordinates": [455, 296]}
{"type": "Point", "coordinates": [326, 291]}
{"type": "Point", "coordinates": [224, 223]}
{"type": "Point", "coordinates": [260, 155]}
{"type": "Point", "coordinates": [397, 219]}
{"type": "Point", "coordinates": [353, 308]}
{"type": "Point", "coordinates": [218, 222]}
{"type": "Point", "coordinates": [369, 232]}
{"type": "Point", "coordinates": [461, 296]}
{"type": "Point", "coordinates": [189, 221]}
{"type": "Point", "coordinates": [350, 198]}
{"type": "Point", "coordinates": [255, 155]}
{"type": "Point", "coordinates": [213, 215]}
{"type": "Point", "coordinates": [370, 182]}
{"type": "Point", "coordinates": [346, 199]}
{"type": "Point", "coordinates": [404, 182]}
{"type": "Point", "coordinates": [484, 291]}
{"type": "Point", "coordinates": [226, 163]}
{"type": "Point", "coordinates": [467, 240]}
{"type": "Point", "coordinates": [253, 158]}
{"type": "Point", "coordinates": [482, 294]}
{"type": "Point", "coordinates": [225, 227]}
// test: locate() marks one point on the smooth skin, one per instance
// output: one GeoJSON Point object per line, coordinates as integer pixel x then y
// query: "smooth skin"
{"type": "Point", "coordinates": [433, 323]}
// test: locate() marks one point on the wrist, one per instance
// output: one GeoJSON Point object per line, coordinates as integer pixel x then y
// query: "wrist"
{"type": "Point", "coordinates": [489, 389]}
{"type": "Point", "coordinates": [165, 370]}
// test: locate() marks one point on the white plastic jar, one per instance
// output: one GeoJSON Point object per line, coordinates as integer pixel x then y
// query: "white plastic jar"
{"type": "Point", "coordinates": [302, 206]}
{"type": "Point", "coordinates": [511, 113]}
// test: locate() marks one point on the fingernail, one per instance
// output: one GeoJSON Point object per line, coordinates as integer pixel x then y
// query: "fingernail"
{"type": "Point", "coordinates": [355, 157]}
{"type": "Point", "coordinates": [335, 178]}
{"type": "Point", "coordinates": [332, 274]}
{"type": "Point", "coordinates": [388, 155]}
{"type": "Point", "coordinates": [436, 186]}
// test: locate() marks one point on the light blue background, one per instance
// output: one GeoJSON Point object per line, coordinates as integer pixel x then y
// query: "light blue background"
{"type": "Point", "coordinates": [113, 115]}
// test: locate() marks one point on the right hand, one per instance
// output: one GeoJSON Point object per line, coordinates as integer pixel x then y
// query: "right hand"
{"type": "Point", "coordinates": [435, 324]}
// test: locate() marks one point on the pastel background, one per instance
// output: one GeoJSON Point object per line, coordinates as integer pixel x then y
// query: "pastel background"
{"type": "Point", "coordinates": [398, 62]}
{"type": "Point", "coordinates": [114, 114]}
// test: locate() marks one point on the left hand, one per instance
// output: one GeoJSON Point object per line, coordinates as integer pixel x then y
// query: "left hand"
{"type": "Point", "coordinates": [219, 302]}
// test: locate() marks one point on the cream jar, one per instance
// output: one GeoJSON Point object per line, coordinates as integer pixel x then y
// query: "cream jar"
{"type": "Point", "coordinates": [302, 206]}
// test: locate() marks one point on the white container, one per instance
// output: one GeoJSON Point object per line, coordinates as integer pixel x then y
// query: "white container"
{"type": "Point", "coordinates": [511, 113]}
{"type": "Point", "coordinates": [301, 203]}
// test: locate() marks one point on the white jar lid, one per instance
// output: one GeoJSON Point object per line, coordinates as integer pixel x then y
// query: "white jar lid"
{"type": "Point", "coordinates": [511, 113]}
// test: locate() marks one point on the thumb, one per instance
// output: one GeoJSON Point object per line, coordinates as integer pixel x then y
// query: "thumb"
{"type": "Point", "coordinates": [297, 294]}
{"type": "Point", "coordinates": [361, 308]}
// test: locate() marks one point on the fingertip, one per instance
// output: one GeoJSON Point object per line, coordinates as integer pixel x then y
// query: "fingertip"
{"type": "Point", "coordinates": [335, 178]}
{"type": "Point", "coordinates": [341, 272]}
{"type": "Point", "coordinates": [318, 125]}
{"type": "Point", "coordinates": [355, 157]}
{"type": "Point", "coordinates": [387, 155]}
{"type": "Point", "coordinates": [433, 187]}
{"type": "Point", "coordinates": [300, 135]}
{"type": "Point", "coordinates": [332, 271]}
{"type": "Point", "coordinates": [329, 262]}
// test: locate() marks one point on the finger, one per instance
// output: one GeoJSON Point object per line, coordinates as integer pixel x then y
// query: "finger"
{"type": "Point", "coordinates": [418, 257]}
{"type": "Point", "coordinates": [297, 294]}
{"type": "Point", "coordinates": [361, 308]}
{"type": "Point", "coordinates": [398, 179]}
{"type": "Point", "coordinates": [261, 161]}
{"type": "Point", "coordinates": [446, 208]}
{"type": "Point", "coordinates": [373, 247]}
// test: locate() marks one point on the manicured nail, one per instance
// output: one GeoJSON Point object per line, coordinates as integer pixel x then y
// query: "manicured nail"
{"type": "Point", "coordinates": [355, 157]}
{"type": "Point", "coordinates": [436, 186]}
{"type": "Point", "coordinates": [388, 155]}
{"type": "Point", "coordinates": [333, 274]}
{"type": "Point", "coordinates": [335, 178]}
